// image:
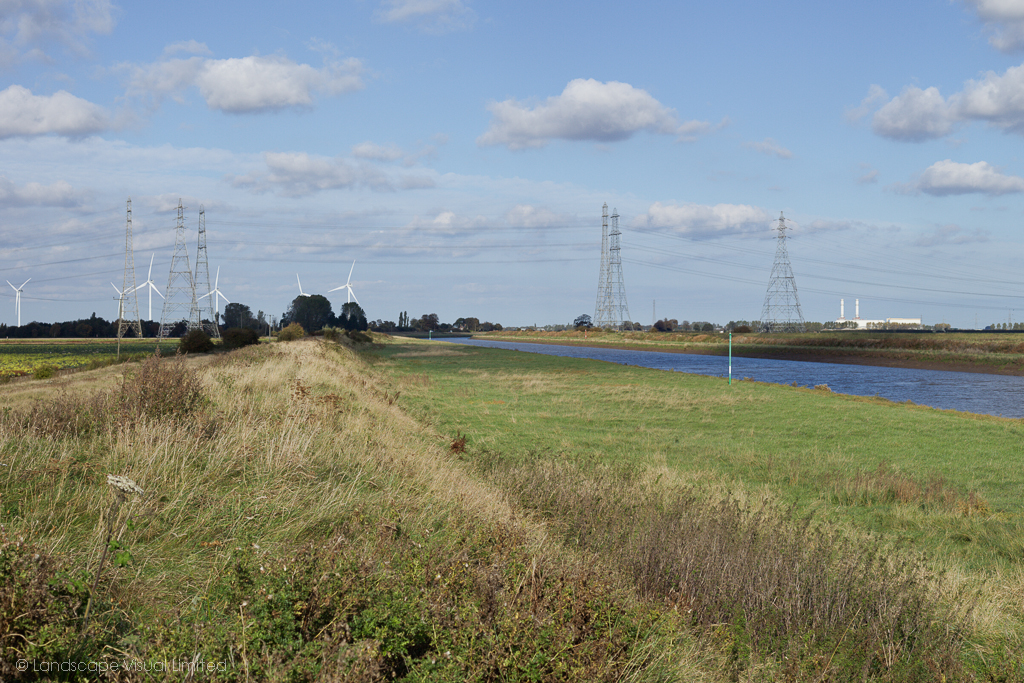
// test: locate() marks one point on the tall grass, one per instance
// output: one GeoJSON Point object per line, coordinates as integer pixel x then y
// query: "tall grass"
{"type": "Point", "coordinates": [296, 524]}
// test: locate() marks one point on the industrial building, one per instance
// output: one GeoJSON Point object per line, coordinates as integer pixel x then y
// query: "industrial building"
{"type": "Point", "coordinates": [859, 323]}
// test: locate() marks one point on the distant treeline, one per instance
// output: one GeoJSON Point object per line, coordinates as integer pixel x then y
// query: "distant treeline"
{"type": "Point", "coordinates": [93, 326]}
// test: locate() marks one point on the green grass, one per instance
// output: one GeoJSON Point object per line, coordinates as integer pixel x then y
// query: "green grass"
{"type": "Point", "coordinates": [942, 484]}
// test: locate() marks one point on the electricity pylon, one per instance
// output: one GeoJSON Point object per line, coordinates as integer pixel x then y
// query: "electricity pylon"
{"type": "Point", "coordinates": [781, 312]}
{"type": "Point", "coordinates": [612, 310]}
{"type": "Point", "coordinates": [129, 313]}
{"type": "Point", "coordinates": [202, 281]}
{"type": "Point", "coordinates": [180, 301]}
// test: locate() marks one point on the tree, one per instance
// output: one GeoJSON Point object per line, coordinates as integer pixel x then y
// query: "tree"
{"type": "Point", "coordinates": [582, 321]}
{"type": "Point", "coordinates": [237, 315]}
{"type": "Point", "coordinates": [312, 312]}
{"type": "Point", "coordinates": [352, 317]}
{"type": "Point", "coordinates": [427, 322]}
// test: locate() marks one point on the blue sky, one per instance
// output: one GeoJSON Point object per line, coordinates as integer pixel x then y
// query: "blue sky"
{"type": "Point", "coordinates": [460, 151]}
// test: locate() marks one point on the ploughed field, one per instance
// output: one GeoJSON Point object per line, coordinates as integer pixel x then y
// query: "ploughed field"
{"type": "Point", "coordinates": [414, 510]}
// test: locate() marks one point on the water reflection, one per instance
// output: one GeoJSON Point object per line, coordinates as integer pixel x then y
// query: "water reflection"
{"type": "Point", "coordinates": [967, 391]}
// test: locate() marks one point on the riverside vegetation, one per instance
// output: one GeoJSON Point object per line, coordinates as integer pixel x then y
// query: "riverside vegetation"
{"type": "Point", "coordinates": [982, 352]}
{"type": "Point", "coordinates": [418, 511]}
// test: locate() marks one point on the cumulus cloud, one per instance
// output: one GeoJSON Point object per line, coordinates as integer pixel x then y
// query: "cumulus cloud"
{"type": "Point", "coordinates": [247, 84]}
{"type": "Point", "coordinates": [949, 177]}
{"type": "Point", "coordinates": [586, 110]}
{"type": "Point", "coordinates": [27, 27]}
{"type": "Point", "coordinates": [1004, 19]}
{"type": "Point", "coordinates": [431, 16]}
{"type": "Point", "coordinates": [919, 114]}
{"type": "Point", "coordinates": [704, 221]}
{"type": "Point", "coordinates": [770, 147]}
{"type": "Point", "coordinates": [295, 174]}
{"type": "Point", "coordinates": [915, 115]}
{"type": "Point", "coordinates": [191, 47]}
{"type": "Point", "coordinates": [35, 194]}
{"type": "Point", "coordinates": [25, 114]}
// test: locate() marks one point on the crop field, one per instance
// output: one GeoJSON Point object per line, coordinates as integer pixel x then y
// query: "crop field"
{"type": "Point", "coordinates": [25, 357]}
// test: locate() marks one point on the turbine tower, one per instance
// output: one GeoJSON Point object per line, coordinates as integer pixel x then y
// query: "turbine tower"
{"type": "Point", "coordinates": [180, 301]}
{"type": "Point", "coordinates": [128, 318]}
{"type": "Point", "coordinates": [202, 280]}
{"type": "Point", "coordinates": [612, 310]}
{"type": "Point", "coordinates": [781, 312]}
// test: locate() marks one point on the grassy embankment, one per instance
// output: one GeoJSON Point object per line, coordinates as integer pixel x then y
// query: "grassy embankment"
{"type": "Point", "coordinates": [294, 524]}
{"type": "Point", "coordinates": [627, 462]}
{"type": "Point", "coordinates": [432, 512]}
{"type": "Point", "coordinates": [994, 353]}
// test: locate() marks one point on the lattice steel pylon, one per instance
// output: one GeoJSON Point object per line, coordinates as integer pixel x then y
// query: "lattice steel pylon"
{"type": "Point", "coordinates": [612, 310]}
{"type": "Point", "coordinates": [781, 312]}
{"type": "Point", "coordinates": [202, 281]}
{"type": "Point", "coordinates": [129, 308]}
{"type": "Point", "coordinates": [180, 300]}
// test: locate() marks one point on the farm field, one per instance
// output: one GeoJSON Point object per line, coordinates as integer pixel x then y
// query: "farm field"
{"type": "Point", "coordinates": [20, 357]}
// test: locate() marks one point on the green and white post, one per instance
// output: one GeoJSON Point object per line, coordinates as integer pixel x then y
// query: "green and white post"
{"type": "Point", "coordinates": [730, 359]}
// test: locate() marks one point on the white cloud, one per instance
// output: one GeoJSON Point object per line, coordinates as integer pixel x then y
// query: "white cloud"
{"type": "Point", "coordinates": [191, 47]}
{"type": "Point", "coordinates": [586, 110]}
{"type": "Point", "coordinates": [915, 115]}
{"type": "Point", "coordinates": [35, 194]}
{"type": "Point", "coordinates": [375, 152]}
{"type": "Point", "coordinates": [703, 221]}
{"type": "Point", "coordinates": [1004, 19]}
{"type": "Point", "coordinates": [23, 114]}
{"type": "Point", "coordinates": [26, 26]}
{"type": "Point", "coordinates": [247, 84]}
{"type": "Point", "coordinates": [432, 16]}
{"type": "Point", "coordinates": [770, 147]}
{"type": "Point", "coordinates": [952, 234]}
{"type": "Point", "coordinates": [296, 174]}
{"type": "Point", "coordinates": [996, 99]}
{"type": "Point", "coordinates": [949, 177]}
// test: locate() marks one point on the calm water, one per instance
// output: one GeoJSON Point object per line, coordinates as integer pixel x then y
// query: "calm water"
{"type": "Point", "coordinates": [968, 391]}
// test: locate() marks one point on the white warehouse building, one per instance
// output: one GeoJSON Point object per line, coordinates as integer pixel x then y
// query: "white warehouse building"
{"type": "Point", "coordinates": [865, 324]}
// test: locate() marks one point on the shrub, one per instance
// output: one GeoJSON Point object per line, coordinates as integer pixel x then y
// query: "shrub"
{"type": "Point", "coordinates": [332, 334]}
{"type": "Point", "coordinates": [237, 337]}
{"type": "Point", "coordinates": [196, 341]}
{"type": "Point", "coordinates": [291, 333]}
{"type": "Point", "coordinates": [43, 372]}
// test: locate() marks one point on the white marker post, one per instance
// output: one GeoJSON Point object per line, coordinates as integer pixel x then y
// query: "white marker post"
{"type": "Point", "coordinates": [730, 359]}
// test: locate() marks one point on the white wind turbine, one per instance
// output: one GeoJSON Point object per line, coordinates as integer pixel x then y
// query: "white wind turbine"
{"type": "Point", "coordinates": [120, 300]}
{"type": "Point", "coordinates": [17, 298]}
{"type": "Point", "coordinates": [348, 285]}
{"type": "Point", "coordinates": [152, 286]}
{"type": "Point", "coordinates": [219, 294]}
{"type": "Point", "coordinates": [301, 293]}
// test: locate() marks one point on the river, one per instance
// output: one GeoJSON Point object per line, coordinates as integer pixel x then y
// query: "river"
{"type": "Point", "coordinates": [967, 391]}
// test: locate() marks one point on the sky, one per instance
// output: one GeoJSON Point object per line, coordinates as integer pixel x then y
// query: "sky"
{"type": "Point", "coordinates": [460, 152]}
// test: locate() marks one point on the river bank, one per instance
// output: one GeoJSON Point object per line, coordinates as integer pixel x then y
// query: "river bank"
{"type": "Point", "coordinates": [952, 353]}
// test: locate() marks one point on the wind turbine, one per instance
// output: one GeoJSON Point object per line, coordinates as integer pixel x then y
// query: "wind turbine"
{"type": "Point", "coordinates": [120, 300]}
{"type": "Point", "coordinates": [301, 293]}
{"type": "Point", "coordinates": [348, 285]}
{"type": "Point", "coordinates": [218, 294]}
{"type": "Point", "coordinates": [152, 287]}
{"type": "Point", "coordinates": [17, 298]}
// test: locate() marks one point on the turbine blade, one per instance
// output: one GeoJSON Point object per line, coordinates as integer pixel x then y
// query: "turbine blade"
{"type": "Point", "coordinates": [350, 273]}
{"type": "Point", "coordinates": [224, 297]}
{"type": "Point", "coordinates": [115, 288]}
{"type": "Point", "coordinates": [150, 276]}
{"type": "Point", "coordinates": [206, 295]}
{"type": "Point", "coordinates": [24, 283]}
{"type": "Point", "coordinates": [12, 286]}
{"type": "Point", "coordinates": [217, 280]}
{"type": "Point", "coordinates": [299, 281]}
{"type": "Point", "coordinates": [157, 290]}
{"type": "Point", "coordinates": [336, 289]}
